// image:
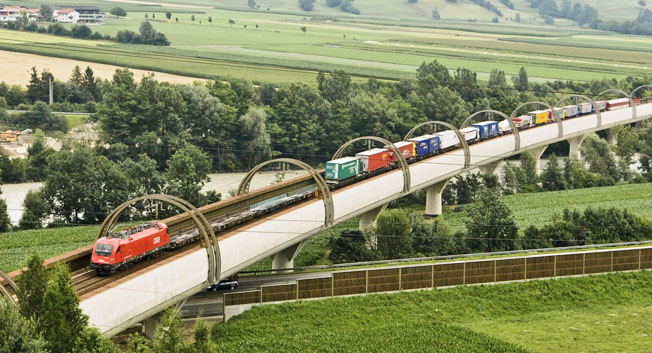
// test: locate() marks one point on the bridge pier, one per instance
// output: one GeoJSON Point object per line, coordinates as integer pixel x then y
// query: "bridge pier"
{"type": "Point", "coordinates": [489, 168]}
{"type": "Point", "coordinates": [537, 153]}
{"type": "Point", "coordinates": [149, 325]}
{"type": "Point", "coordinates": [368, 219]}
{"type": "Point", "coordinates": [611, 138]}
{"type": "Point", "coordinates": [575, 144]}
{"type": "Point", "coordinates": [433, 198]}
{"type": "Point", "coordinates": [285, 258]}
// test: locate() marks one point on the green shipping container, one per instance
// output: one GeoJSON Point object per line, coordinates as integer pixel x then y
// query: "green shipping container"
{"type": "Point", "coordinates": [343, 168]}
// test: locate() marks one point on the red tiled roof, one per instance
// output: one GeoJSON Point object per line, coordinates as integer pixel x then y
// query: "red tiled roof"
{"type": "Point", "coordinates": [65, 11]}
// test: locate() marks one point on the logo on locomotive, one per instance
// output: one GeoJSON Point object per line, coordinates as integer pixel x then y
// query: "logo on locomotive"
{"type": "Point", "coordinates": [157, 240]}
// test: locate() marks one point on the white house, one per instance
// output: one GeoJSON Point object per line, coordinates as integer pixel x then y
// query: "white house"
{"type": "Point", "coordinates": [68, 15]}
{"type": "Point", "coordinates": [10, 13]}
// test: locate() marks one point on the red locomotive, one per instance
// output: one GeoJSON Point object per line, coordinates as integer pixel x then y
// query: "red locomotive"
{"type": "Point", "coordinates": [121, 249]}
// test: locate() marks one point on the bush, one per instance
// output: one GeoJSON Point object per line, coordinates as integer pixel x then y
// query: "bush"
{"type": "Point", "coordinates": [118, 11]}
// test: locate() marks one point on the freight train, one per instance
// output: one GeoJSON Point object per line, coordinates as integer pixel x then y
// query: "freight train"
{"type": "Point", "coordinates": [122, 249]}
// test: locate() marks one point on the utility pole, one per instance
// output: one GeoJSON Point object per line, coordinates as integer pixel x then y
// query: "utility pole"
{"type": "Point", "coordinates": [51, 91]}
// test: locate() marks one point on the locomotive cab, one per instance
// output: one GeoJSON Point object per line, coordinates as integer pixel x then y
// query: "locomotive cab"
{"type": "Point", "coordinates": [106, 253]}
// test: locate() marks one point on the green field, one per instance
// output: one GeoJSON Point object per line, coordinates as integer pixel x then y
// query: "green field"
{"type": "Point", "coordinates": [606, 313]}
{"type": "Point", "coordinates": [386, 42]}
{"type": "Point", "coordinates": [540, 208]}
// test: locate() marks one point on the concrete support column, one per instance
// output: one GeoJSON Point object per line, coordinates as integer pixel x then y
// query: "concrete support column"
{"type": "Point", "coordinates": [537, 153]}
{"type": "Point", "coordinates": [611, 138]}
{"type": "Point", "coordinates": [489, 168]}
{"type": "Point", "coordinates": [285, 258]}
{"type": "Point", "coordinates": [149, 325]}
{"type": "Point", "coordinates": [368, 219]}
{"type": "Point", "coordinates": [575, 144]}
{"type": "Point", "coordinates": [433, 198]}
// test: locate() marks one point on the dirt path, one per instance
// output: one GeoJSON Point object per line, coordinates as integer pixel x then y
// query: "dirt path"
{"type": "Point", "coordinates": [15, 68]}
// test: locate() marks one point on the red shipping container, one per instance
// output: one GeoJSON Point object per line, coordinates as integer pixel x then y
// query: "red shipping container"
{"type": "Point", "coordinates": [374, 159]}
{"type": "Point", "coordinates": [406, 149]}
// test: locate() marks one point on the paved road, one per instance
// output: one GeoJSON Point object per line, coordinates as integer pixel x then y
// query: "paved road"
{"type": "Point", "coordinates": [210, 303]}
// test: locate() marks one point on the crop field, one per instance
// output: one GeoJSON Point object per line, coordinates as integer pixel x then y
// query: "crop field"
{"type": "Point", "coordinates": [604, 313]}
{"type": "Point", "coordinates": [386, 42]}
{"type": "Point", "coordinates": [540, 208]}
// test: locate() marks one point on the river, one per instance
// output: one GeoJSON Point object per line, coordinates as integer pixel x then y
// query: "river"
{"type": "Point", "coordinates": [14, 194]}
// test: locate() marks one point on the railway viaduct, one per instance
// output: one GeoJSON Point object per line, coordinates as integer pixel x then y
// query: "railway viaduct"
{"type": "Point", "coordinates": [140, 294]}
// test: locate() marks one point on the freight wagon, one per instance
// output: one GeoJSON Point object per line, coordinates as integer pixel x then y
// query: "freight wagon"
{"type": "Point", "coordinates": [375, 159]}
{"type": "Point", "coordinates": [470, 133]}
{"type": "Point", "coordinates": [407, 149]}
{"type": "Point", "coordinates": [585, 108]}
{"type": "Point", "coordinates": [540, 116]}
{"type": "Point", "coordinates": [447, 139]}
{"type": "Point", "coordinates": [421, 144]}
{"type": "Point", "coordinates": [487, 129]}
{"type": "Point", "coordinates": [571, 111]}
{"type": "Point", "coordinates": [342, 169]}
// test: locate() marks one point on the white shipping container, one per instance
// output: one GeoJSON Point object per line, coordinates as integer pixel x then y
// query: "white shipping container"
{"type": "Point", "coordinates": [585, 108]}
{"type": "Point", "coordinates": [470, 133]}
{"type": "Point", "coordinates": [571, 111]}
{"type": "Point", "coordinates": [602, 105]}
{"type": "Point", "coordinates": [504, 126]}
{"type": "Point", "coordinates": [447, 138]}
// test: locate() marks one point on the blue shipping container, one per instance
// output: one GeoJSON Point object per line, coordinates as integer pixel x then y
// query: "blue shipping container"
{"type": "Point", "coordinates": [435, 143]}
{"type": "Point", "coordinates": [422, 144]}
{"type": "Point", "coordinates": [487, 129]}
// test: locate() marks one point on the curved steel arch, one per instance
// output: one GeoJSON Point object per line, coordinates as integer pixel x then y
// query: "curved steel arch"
{"type": "Point", "coordinates": [615, 90]}
{"type": "Point", "coordinates": [560, 126]}
{"type": "Point", "coordinates": [13, 286]}
{"type": "Point", "coordinates": [465, 146]}
{"type": "Point", "coordinates": [405, 168]}
{"type": "Point", "coordinates": [637, 88]}
{"type": "Point", "coordinates": [324, 190]}
{"type": "Point", "coordinates": [595, 107]}
{"type": "Point", "coordinates": [517, 135]}
{"type": "Point", "coordinates": [203, 226]}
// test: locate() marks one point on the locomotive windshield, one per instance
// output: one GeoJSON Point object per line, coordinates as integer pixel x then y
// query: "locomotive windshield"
{"type": "Point", "coordinates": [103, 249]}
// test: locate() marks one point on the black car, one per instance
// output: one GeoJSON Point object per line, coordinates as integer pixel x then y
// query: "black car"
{"type": "Point", "coordinates": [225, 284]}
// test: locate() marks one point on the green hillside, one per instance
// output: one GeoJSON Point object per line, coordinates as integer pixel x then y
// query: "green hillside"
{"type": "Point", "coordinates": [606, 313]}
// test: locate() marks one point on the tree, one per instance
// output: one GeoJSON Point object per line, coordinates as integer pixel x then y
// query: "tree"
{"type": "Point", "coordinates": [210, 19]}
{"type": "Point", "coordinates": [46, 12]}
{"type": "Point", "coordinates": [435, 14]}
{"type": "Point", "coordinates": [642, 3]}
{"type": "Point", "coordinates": [168, 336]}
{"type": "Point", "coordinates": [490, 225]}
{"type": "Point", "coordinates": [306, 5]}
{"type": "Point", "coordinates": [350, 246]}
{"type": "Point", "coordinates": [35, 211]}
{"type": "Point", "coordinates": [529, 167]}
{"type": "Point", "coordinates": [82, 187]}
{"type": "Point", "coordinates": [565, 8]}
{"type": "Point", "coordinates": [202, 341]}
{"type": "Point", "coordinates": [231, 22]}
{"type": "Point", "coordinates": [118, 11]}
{"type": "Point", "coordinates": [304, 29]}
{"type": "Point", "coordinates": [517, 17]}
{"type": "Point", "coordinates": [255, 137]}
{"type": "Point", "coordinates": [192, 18]}
{"type": "Point", "coordinates": [146, 16]}
{"type": "Point", "coordinates": [18, 333]}
{"type": "Point", "coordinates": [520, 80]}
{"type": "Point", "coordinates": [187, 173]}
{"type": "Point", "coordinates": [412, 1]}
{"type": "Point", "coordinates": [494, 20]}
{"type": "Point", "coordinates": [497, 79]}
{"type": "Point", "coordinates": [31, 284]}
{"type": "Point", "coordinates": [432, 74]}
{"type": "Point", "coordinates": [251, 3]}
{"type": "Point", "coordinates": [598, 154]}
{"type": "Point", "coordinates": [334, 86]}
{"type": "Point", "coordinates": [153, 15]}
{"type": "Point", "coordinates": [176, 19]}
{"type": "Point", "coordinates": [393, 234]}
{"type": "Point", "coordinates": [627, 143]}
{"type": "Point", "coordinates": [333, 3]}
{"type": "Point", "coordinates": [63, 323]}
{"type": "Point", "coordinates": [168, 15]}
{"type": "Point", "coordinates": [89, 85]}
{"type": "Point", "coordinates": [5, 222]}
{"type": "Point", "coordinates": [552, 177]}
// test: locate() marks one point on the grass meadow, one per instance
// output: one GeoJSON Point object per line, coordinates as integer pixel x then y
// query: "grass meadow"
{"type": "Point", "coordinates": [603, 313]}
